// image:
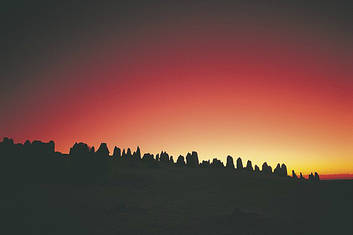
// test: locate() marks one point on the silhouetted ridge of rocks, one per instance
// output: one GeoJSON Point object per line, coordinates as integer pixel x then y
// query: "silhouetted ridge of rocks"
{"type": "Point", "coordinates": [88, 163]}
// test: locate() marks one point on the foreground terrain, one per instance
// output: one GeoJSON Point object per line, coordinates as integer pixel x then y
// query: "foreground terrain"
{"type": "Point", "coordinates": [180, 201]}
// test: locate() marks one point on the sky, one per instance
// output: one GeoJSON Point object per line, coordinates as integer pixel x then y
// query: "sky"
{"type": "Point", "coordinates": [262, 81]}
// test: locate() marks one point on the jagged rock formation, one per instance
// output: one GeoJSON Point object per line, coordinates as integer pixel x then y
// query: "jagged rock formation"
{"type": "Point", "coordinates": [239, 164]}
{"type": "Point", "coordinates": [147, 157]}
{"type": "Point", "coordinates": [301, 176]}
{"type": "Point", "coordinates": [280, 170]}
{"type": "Point", "coordinates": [230, 163]}
{"type": "Point", "coordinates": [116, 152]}
{"type": "Point", "coordinates": [164, 157]}
{"type": "Point", "coordinates": [128, 154]}
{"type": "Point", "coordinates": [316, 177]}
{"type": "Point", "coordinates": [217, 163]}
{"type": "Point", "coordinates": [123, 155]}
{"type": "Point", "coordinates": [192, 160]}
{"type": "Point", "coordinates": [257, 169]}
{"type": "Point", "coordinates": [137, 154]}
{"type": "Point", "coordinates": [311, 177]}
{"type": "Point", "coordinates": [249, 166]}
{"type": "Point", "coordinates": [79, 149]}
{"type": "Point", "coordinates": [205, 164]}
{"type": "Point", "coordinates": [283, 171]}
{"type": "Point", "coordinates": [266, 169]}
{"type": "Point", "coordinates": [180, 161]}
{"type": "Point", "coordinates": [103, 151]}
{"type": "Point", "coordinates": [277, 170]}
{"type": "Point", "coordinates": [86, 160]}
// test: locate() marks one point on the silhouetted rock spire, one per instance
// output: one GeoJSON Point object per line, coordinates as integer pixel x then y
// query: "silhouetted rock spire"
{"type": "Point", "coordinates": [123, 155]}
{"type": "Point", "coordinates": [137, 154]}
{"type": "Point", "coordinates": [192, 160]}
{"type": "Point", "coordinates": [205, 164]}
{"type": "Point", "coordinates": [217, 163]}
{"type": "Point", "coordinates": [230, 163]}
{"type": "Point", "coordinates": [128, 154]}
{"type": "Point", "coordinates": [180, 161]}
{"type": "Point", "coordinates": [301, 176]}
{"type": "Point", "coordinates": [266, 169]}
{"type": "Point", "coordinates": [283, 171]}
{"type": "Point", "coordinates": [117, 152]}
{"type": "Point", "coordinates": [311, 177]}
{"type": "Point", "coordinates": [164, 157]}
{"type": "Point", "coordinates": [277, 170]}
{"type": "Point", "coordinates": [147, 157]}
{"type": "Point", "coordinates": [249, 166]}
{"type": "Point", "coordinates": [103, 151]}
{"type": "Point", "coordinates": [79, 149]}
{"type": "Point", "coordinates": [257, 169]}
{"type": "Point", "coordinates": [316, 177]}
{"type": "Point", "coordinates": [239, 164]}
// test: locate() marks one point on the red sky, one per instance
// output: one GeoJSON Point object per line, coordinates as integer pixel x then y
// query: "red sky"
{"type": "Point", "coordinates": [257, 88]}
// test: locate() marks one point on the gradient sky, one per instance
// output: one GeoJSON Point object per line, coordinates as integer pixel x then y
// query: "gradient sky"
{"type": "Point", "coordinates": [267, 82]}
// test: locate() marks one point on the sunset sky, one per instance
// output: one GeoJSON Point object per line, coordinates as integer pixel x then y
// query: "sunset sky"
{"type": "Point", "coordinates": [266, 82]}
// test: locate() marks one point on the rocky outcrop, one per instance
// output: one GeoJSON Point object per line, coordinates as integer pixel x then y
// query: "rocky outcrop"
{"type": "Point", "coordinates": [103, 151]}
{"type": "Point", "coordinates": [128, 154]}
{"type": "Point", "coordinates": [316, 177]}
{"type": "Point", "coordinates": [277, 170]}
{"type": "Point", "coordinates": [230, 163]}
{"type": "Point", "coordinates": [257, 169]}
{"type": "Point", "coordinates": [180, 161]}
{"type": "Point", "coordinates": [147, 157]}
{"type": "Point", "coordinates": [311, 177]}
{"type": "Point", "coordinates": [283, 171]}
{"type": "Point", "coordinates": [249, 166]}
{"type": "Point", "coordinates": [164, 157]}
{"type": "Point", "coordinates": [137, 154]}
{"type": "Point", "coordinates": [217, 163]}
{"type": "Point", "coordinates": [205, 164]}
{"type": "Point", "coordinates": [301, 176]}
{"type": "Point", "coordinates": [79, 149]}
{"type": "Point", "coordinates": [239, 164]}
{"type": "Point", "coordinates": [192, 160]}
{"type": "Point", "coordinates": [266, 169]}
{"type": "Point", "coordinates": [116, 152]}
